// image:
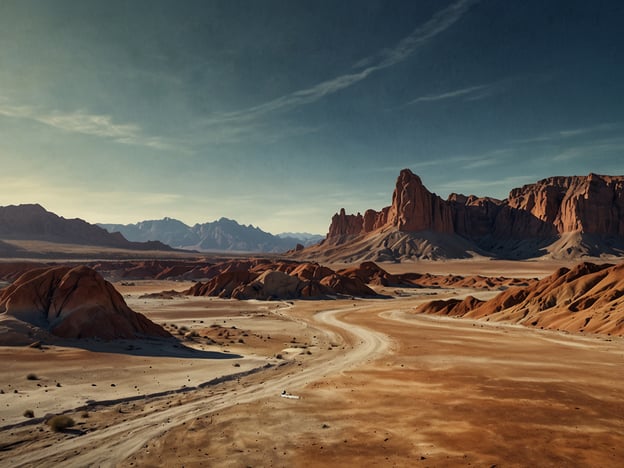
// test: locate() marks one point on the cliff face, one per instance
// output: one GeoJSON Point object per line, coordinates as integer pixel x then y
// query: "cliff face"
{"type": "Point", "coordinates": [415, 209]}
{"type": "Point", "coordinates": [591, 205]}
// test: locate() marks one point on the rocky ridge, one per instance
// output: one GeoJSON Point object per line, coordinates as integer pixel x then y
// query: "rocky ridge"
{"type": "Point", "coordinates": [558, 216]}
{"type": "Point", "coordinates": [586, 298]}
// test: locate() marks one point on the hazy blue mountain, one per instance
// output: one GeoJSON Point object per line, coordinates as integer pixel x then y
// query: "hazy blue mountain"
{"type": "Point", "coordinates": [304, 238]}
{"type": "Point", "coordinates": [167, 230]}
{"type": "Point", "coordinates": [221, 235]}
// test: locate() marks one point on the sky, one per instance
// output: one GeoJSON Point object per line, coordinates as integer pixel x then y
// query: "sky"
{"type": "Point", "coordinates": [278, 113]}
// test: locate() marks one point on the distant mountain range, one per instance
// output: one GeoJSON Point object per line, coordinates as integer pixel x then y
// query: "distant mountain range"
{"type": "Point", "coordinates": [33, 222]}
{"type": "Point", "coordinates": [221, 235]}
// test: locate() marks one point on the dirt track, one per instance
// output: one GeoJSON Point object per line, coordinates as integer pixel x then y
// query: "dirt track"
{"type": "Point", "coordinates": [111, 445]}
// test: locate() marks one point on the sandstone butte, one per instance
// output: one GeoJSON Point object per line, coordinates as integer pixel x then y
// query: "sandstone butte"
{"type": "Point", "coordinates": [541, 213]}
{"type": "Point", "coordinates": [586, 298]}
{"type": "Point", "coordinates": [73, 302]}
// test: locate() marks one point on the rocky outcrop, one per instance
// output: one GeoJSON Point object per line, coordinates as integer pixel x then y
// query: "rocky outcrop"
{"type": "Point", "coordinates": [267, 280]}
{"type": "Point", "coordinates": [343, 225]}
{"type": "Point", "coordinates": [524, 225]}
{"type": "Point", "coordinates": [73, 302]}
{"type": "Point", "coordinates": [416, 209]}
{"type": "Point", "coordinates": [224, 284]}
{"type": "Point", "coordinates": [586, 298]}
{"type": "Point", "coordinates": [242, 281]}
{"type": "Point", "coordinates": [371, 273]}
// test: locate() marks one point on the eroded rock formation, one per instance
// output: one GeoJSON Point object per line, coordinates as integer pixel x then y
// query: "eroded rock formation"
{"type": "Point", "coordinates": [532, 218]}
{"type": "Point", "coordinates": [262, 279]}
{"type": "Point", "coordinates": [74, 302]}
{"type": "Point", "coordinates": [586, 298]}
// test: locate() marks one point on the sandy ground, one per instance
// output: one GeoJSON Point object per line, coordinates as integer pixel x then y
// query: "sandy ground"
{"type": "Point", "coordinates": [378, 386]}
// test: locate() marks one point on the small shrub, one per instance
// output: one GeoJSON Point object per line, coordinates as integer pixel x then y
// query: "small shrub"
{"type": "Point", "coordinates": [29, 413]}
{"type": "Point", "coordinates": [279, 356]}
{"type": "Point", "coordinates": [32, 377]}
{"type": "Point", "coordinates": [60, 422]}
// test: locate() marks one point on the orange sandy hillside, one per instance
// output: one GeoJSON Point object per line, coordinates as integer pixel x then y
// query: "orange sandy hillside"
{"type": "Point", "coordinates": [586, 298]}
{"type": "Point", "coordinates": [71, 303]}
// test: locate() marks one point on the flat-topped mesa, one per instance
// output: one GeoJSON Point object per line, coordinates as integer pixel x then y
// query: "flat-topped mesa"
{"type": "Point", "coordinates": [592, 204]}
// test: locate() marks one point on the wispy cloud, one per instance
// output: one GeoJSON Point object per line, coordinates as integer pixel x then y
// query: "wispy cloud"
{"type": "Point", "coordinates": [572, 133]}
{"type": "Point", "coordinates": [591, 149]}
{"type": "Point", "coordinates": [86, 124]}
{"type": "Point", "coordinates": [475, 92]}
{"type": "Point", "coordinates": [472, 91]}
{"type": "Point", "coordinates": [475, 161]}
{"type": "Point", "coordinates": [247, 119]}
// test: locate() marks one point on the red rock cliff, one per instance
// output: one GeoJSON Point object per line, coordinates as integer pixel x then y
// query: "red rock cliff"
{"type": "Point", "coordinates": [592, 204]}
{"type": "Point", "coordinates": [414, 208]}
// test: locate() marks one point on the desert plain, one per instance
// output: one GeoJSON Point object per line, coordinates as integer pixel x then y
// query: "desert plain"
{"type": "Point", "coordinates": [377, 385]}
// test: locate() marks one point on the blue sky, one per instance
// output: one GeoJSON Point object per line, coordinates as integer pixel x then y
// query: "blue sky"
{"type": "Point", "coordinates": [279, 113]}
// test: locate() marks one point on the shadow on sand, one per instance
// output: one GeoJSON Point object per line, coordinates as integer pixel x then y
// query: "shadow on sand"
{"type": "Point", "coordinates": [149, 347]}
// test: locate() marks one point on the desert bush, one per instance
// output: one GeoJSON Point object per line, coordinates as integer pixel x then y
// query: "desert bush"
{"type": "Point", "coordinates": [279, 356]}
{"type": "Point", "coordinates": [32, 377]}
{"type": "Point", "coordinates": [60, 422]}
{"type": "Point", "coordinates": [29, 413]}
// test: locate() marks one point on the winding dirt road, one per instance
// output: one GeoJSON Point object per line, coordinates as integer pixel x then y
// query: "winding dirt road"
{"type": "Point", "coordinates": [111, 445]}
